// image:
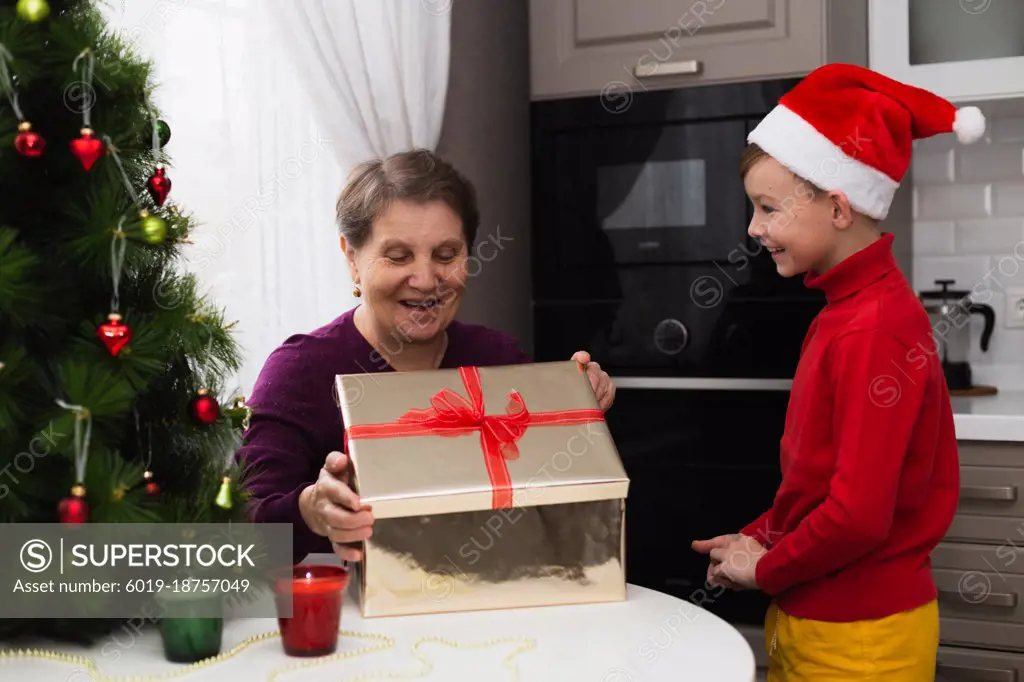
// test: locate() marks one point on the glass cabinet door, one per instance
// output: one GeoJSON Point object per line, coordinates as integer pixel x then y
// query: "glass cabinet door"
{"type": "Point", "coordinates": [949, 31]}
{"type": "Point", "coordinates": [963, 50]}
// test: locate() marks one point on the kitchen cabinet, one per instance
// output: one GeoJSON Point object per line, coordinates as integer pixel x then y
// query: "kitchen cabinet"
{"type": "Point", "coordinates": [966, 50]}
{"type": "Point", "coordinates": [979, 567]}
{"type": "Point", "coordinates": [614, 48]}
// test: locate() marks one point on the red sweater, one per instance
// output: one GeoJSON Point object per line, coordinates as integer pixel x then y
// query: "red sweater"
{"type": "Point", "coordinates": [871, 475]}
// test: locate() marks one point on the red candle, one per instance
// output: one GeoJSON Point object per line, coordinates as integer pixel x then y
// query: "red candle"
{"type": "Point", "coordinates": [316, 597]}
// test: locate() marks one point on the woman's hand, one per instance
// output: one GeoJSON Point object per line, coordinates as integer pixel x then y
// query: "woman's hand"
{"type": "Point", "coordinates": [332, 509]}
{"type": "Point", "coordinates": [602, 384]}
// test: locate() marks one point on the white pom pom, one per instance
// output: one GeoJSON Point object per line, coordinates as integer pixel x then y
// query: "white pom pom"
{"type": "Point", "coordinates": [969, 124]}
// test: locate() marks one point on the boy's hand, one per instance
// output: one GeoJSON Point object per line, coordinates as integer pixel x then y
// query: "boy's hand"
{"type": "Point", "coordinates": [715, 579]}
{"type": "Point", "coordinates": [737, 562]}
{"type": "Point", "coordinates": [705, 546]}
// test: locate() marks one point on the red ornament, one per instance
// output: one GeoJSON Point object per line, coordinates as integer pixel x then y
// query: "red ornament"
{"type": "Point", "coordinates": [152, 488]}
{"type": "Point", "coordinates": [74, 509]}
{"type": "Point", "coordinates": [159, 185]}
{"type": "Point", "coordinates": [204, 408]}
{"type": "Point", "coordinates": [115, 334]}
{"type": "Point", "coordinates": [28, 143]}
{"type": "Point", "coordinates": [87, 148]}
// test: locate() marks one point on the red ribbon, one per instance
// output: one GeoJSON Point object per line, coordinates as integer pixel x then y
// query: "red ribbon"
{"type": "Point", "coordinates": [450, 415]}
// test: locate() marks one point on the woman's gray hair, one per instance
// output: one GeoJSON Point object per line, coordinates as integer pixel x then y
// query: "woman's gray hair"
{"type": "Point", "coordinates": [419, 176]}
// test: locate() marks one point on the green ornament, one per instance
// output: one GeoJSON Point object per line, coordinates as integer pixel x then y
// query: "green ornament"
{"type": "Point", "coordinates": [223, 499]}
{"type": "Point", "coordinates": [163, 131]}
{"type": "Point", "coordinates": [33, 10]}
{"type": "Point", "coordinates": [154, 230]}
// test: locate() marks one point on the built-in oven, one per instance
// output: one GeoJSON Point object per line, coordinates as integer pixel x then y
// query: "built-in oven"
{"type": "Point", "coordinates": [641, 257]}
{"type": "Point", "coordinates": [640, 245]}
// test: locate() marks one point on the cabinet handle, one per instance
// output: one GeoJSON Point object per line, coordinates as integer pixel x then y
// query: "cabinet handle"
{"type": "Point", "coordinates": [988, 492]}
{"type": "Point", "coordinates": [1001, 599]}
{"type": "Point", "coordinates": [963, 673]}
{"type": "Point", "coordinates": [687, 66]}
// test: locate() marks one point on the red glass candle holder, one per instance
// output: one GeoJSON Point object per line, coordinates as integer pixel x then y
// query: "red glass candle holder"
{"type": "Point", "coordinates": [315, 594]}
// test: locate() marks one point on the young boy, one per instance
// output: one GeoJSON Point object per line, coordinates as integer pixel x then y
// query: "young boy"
{"type": "Point", "coordinates": [869, 456]}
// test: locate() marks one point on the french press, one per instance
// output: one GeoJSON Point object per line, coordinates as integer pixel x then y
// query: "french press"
{"type": "Point", "coordinates": [950, 312]}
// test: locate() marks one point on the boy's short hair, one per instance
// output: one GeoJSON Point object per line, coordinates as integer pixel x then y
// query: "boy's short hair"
{"type": "Point", "coordinates": [753, 153]}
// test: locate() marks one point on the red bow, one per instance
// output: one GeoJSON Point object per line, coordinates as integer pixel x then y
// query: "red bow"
{"type": "Point", "coordinates": [450, 414]}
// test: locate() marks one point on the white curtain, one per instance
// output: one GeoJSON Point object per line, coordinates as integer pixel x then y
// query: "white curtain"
{"type": "Point", "coordinates": [270, 103]}
{"type": "Point", "coordinates": [376, 71]}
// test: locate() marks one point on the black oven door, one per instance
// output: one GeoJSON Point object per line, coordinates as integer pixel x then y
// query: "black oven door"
{"type": "Point", "coordinates": [699, 320]}
{"type": "Point", "coordinates": [701, 463]}
{"type": "Point", "coordinates": [639, 195]}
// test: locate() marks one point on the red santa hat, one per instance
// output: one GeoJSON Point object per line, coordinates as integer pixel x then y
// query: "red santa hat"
{"type": "Point", "coordinates": [851, 129]}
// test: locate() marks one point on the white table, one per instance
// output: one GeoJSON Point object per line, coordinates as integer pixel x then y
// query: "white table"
{"type": "Point", "coordinates": [649, 637]}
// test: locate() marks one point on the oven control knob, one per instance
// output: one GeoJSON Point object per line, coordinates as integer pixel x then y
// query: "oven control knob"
{"type": "Point", "coordinates": [671, 336]}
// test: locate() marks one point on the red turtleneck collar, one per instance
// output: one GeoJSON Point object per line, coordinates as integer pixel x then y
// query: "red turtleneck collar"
{"type": "Point", "coordinates": [856, 272]}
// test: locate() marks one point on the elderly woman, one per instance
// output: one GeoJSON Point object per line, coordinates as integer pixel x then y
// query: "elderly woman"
{"type": "Point", "coordinates": [407, 226]}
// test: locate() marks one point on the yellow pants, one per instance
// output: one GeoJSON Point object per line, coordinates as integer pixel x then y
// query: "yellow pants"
{"type": "Point", "coordinates": [899, 648]}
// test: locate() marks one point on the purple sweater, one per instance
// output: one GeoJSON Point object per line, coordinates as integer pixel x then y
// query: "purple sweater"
{"type": "Point", "coordinates": [296, 421]}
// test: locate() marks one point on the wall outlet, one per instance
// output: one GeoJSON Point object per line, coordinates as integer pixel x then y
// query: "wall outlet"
{"type": "Point", "coordinates": [1013, 317]}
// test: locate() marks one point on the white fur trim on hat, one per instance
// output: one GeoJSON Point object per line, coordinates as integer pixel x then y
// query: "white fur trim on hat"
{"type": "Point", "coordinates": [969, 124]}
{"type": "Point", "coordinates": [798, 146]}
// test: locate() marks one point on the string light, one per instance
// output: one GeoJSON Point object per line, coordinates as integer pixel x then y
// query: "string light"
{"type": "Point", "coordinates": [383, 643]}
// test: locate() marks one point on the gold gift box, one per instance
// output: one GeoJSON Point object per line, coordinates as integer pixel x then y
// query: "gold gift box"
{"type": "Point", "coordinates": [538, 521]}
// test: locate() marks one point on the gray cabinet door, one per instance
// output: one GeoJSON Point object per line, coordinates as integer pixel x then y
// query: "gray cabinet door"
{"type": "Point", "coordinates": [587, 47]}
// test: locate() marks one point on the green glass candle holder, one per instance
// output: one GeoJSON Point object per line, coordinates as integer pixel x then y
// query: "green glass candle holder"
{"type": "Point", "coordinates": [191, 632]}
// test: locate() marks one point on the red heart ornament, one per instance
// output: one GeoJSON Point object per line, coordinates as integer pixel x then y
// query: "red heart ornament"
{"type": "Point", "coordinates": [87, 148]}
{"type": "Point", "coordinates": [115, 334]}
{"type": "Point", "coordinates": [159, 186]}
{"type": "Point", "coordinates": [28, 143]}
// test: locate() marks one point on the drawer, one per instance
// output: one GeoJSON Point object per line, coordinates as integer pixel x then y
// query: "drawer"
{"type": "Point", "coordinates": [966, 665]}
{"type": "Point", "coordinates": [991, 454]}
{"type": "Point", "coordinates": [991, 491]}
{"type": "Point", "coordinates": [978, 595]}
{"type": "Point", "coordinates": [982, 634]}
{"type": "Point", "coordinates": [1007, 558]}
{"type": "Point", "coordinates": [992, 530]}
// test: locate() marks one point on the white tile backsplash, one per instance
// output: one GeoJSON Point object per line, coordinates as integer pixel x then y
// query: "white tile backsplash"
{"type": "Point", "coordinates": [969, 227]}
{"type": "Point", "coordinates": [938, 202]}
{"type": "Point", "coordinates": [989, 236]}
{"type": "Point", "coordinates": [933, 168]}
{"type": "Point", "coordinates": [989, 162]}
{"type": "Point", "coordinates": [934, 238]}
{"type": "Point", "coordinates": [1008, 199]}
{"type": "Point", "coordinates": [966, 271]}
{"type": "Point", "coordinates": [1008, 129]}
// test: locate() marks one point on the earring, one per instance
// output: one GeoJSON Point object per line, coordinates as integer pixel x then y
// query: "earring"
{"type": "Point", "coordinates": [356, 291]}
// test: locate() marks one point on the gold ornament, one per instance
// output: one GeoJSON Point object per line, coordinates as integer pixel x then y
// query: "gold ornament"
{"type": "Point", "coordinates": [224, 494]}
{"type": "Point", "coordinates": [119, 492]}
{"type": "Point", "coordinates": [356, 291]}
{"type": "Point", "coordinates": [239, 413]}
{"type": "Point", "coordinates": [33, 10]}
{"type": "Point", "coordinates": [78, 490]}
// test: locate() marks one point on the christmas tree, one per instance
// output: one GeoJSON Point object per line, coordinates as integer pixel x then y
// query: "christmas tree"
{"type": "Point", "coordinates": [112, 364]}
